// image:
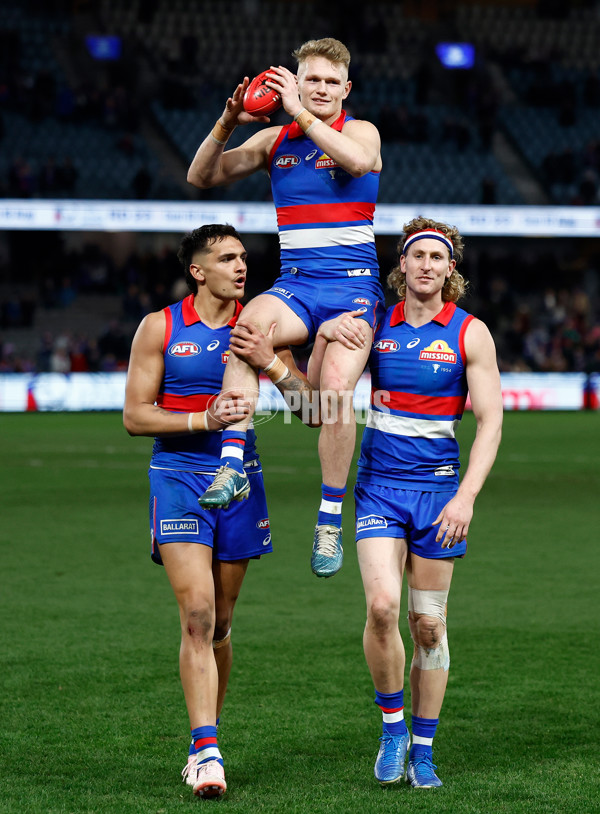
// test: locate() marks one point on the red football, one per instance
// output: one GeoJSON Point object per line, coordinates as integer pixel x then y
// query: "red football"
{"type": "Point", "coordinates": [260, 99]}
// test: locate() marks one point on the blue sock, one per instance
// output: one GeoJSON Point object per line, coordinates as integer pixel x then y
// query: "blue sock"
{"type": "Point", "coordinates": [204, 739]}
{"type": "Point", "coordinates": [193, 741]}
{"type": "Point", "coordinates": [423, 731]}
{"type": "Point", "coordinates": [233, 443]}
{"type": "Point", "coordinates": [392, 708]}
{"type": "Point", "coordinates": [330, 510]}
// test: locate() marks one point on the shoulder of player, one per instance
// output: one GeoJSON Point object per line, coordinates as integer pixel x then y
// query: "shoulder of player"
{"type": "Point", "coordinates": [262, 141]}
{"type": "Point", "coordinates": [478, 339]}
{"type": "Point", "coordinates": [151, 329]}
{"type": "Point", "coordinates": [361, 126]}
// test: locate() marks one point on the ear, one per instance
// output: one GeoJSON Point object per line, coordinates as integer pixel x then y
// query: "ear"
{"type": "Point", "coordinates": [347, 89]}
{"type": "Point", "coordinates": [451, 267]}
{"type": "Point", "coordinates": [197, 272]}
{"type": "Point", "coordinates": [403, 263]}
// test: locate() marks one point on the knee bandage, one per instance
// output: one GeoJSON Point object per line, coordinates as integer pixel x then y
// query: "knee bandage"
{"type": "Point", "coordinates": [433, 604]}
{"type": "Point", "coordinates": [217, 643]}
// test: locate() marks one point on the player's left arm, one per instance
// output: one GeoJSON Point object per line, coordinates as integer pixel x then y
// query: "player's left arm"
{"type": "Point", "coordinates": [483, 379]}
{"type": "Point", "coordinates": [249, 342]}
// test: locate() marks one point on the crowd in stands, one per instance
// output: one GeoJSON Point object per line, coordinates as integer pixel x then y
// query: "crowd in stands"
{"type": "Point", "coordinates": [416, 102]}
{"type": "Point", "coordinates": [548, 327]}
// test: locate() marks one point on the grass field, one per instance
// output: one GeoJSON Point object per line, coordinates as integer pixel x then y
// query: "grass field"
{"type": "Point", "coordinates": [92, 718]}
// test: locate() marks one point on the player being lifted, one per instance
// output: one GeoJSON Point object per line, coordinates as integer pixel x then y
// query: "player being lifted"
{"type": "Point", "coordinates": [324, 170]}
{"type": "Point", "coordinates": [410, 509]}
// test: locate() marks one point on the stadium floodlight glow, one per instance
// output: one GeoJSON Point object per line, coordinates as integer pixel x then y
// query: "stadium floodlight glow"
{"type": "Point", "coordinates": [456, 54]}
{"type": "Point", "coordinates": [104, 47]}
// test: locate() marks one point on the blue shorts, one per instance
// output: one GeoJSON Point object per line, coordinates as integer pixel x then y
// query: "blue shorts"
{"type": "Point", "coordinates": [316, 301]}
{"type": "Point", "coordinates": [240, 532]}
{"type": "Point", "coordinates": [382, 511]}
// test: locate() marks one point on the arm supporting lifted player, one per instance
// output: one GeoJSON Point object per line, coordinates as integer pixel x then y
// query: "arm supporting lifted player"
{"type": "Point", "coordinates": [485, 392]}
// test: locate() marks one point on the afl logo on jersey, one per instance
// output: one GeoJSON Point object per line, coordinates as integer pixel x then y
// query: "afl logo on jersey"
{"type": "Point", "coordinates": [387, 346]}
{"type": "Point", "coordinates": [263, 524]}
{"type": "Point", "coordinates": [438, 351]}
{"type": "Point", "coordinates": [361, 301]}
{"type": "Point", "coordinates": [286, 162]}
{"type": "Point", "coordinates": [184, 349]}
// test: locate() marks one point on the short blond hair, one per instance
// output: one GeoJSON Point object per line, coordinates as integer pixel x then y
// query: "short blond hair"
{"type": "Point", "coordinates": [329, 48]}
{"type": "Point", "coordinates": [455, 286]}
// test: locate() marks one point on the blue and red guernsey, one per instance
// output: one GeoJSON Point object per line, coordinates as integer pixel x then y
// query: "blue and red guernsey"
{"type": "Point", "coordinates": [419, 390]}
{"type": "Point", "coordinates": [324, 215]}
{"type": "Point", "coordinates": [195, 359]}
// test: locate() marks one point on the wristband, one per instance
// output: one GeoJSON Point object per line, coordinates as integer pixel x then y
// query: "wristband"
{"type": "Point", "coordinates": [204, 415]}
{"type": "Point", "coordinates": [305, 120]}
{"type": "Point", "coordinates": [276, 370]}
{"type": "Point", "coordinates": [220, 133]}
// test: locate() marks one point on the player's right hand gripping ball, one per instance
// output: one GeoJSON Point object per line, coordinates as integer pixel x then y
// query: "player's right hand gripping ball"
{"type": "Point", "coordinates": [260, 99]}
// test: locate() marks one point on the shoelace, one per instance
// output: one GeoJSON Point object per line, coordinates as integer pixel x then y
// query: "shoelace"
{"type": "Point", "coordinates": [221, 478]}
{"type": "Point", "coordinates": [327, 541]}
{"type": "Point", "coordinates": [423, 759]}
{"type": "Point", "coordinates": [189, 767]}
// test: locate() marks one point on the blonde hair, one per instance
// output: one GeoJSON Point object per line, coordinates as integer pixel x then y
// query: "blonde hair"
{"type": "Point", "coordinates": [455, 286]}
{"type": "Point", "coordinates": [329, 48]}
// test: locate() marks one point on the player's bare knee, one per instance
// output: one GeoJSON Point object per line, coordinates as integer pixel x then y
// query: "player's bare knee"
{"type": "Point", "coordinates": [382, 615]}
{"type": "Point", "coordinates": [199, 624]}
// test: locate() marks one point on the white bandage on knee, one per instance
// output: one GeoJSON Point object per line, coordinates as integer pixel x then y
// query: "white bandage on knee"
{"type": "Point", "coordinates": [428, 603]}
{"type": "Point", "coordinates": [433, 604]}
{"type": "Point", "coordinates": [434, 658]}
{"type": "Point", "coordinates": [217, 643]}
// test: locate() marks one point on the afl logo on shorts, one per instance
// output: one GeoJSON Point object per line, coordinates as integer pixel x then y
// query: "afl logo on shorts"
{"type": "Point", "coordinates": [263, 524]}
{"type": "Point", "coordinates": [184, 349]}
{"type": "Point", "coordinates": [286, 162]}
{"type": "Point", "coordinates": [361, 301]}
{"type": "Point", "coordinates": [387, 346]}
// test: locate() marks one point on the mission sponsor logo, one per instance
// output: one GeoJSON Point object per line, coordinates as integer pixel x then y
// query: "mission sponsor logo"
{"type": "Point", "coordinates": [184, 349]}
{"type": "Point", "coordinates": [323, 162]}
{"type": "Point", "coordinates": [178, 527]}
{"type": "Point", "coordinates": [225, 356]}
{"type": "Point", "coordinates": [387, 346]}
{"type": "Point", "coordinates": [286, 162]}
{"type": "Point", "coordinates": [370, 521]}
{"type": "Point", "coordinates": [438, 351]}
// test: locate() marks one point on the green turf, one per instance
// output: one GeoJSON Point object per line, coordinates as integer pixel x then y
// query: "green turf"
{"type": "Point", "coordinates": [92, 717]}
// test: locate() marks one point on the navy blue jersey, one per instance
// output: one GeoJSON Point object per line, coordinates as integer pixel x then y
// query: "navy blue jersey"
{"type": "Point", "coordinates": [419, 390]}
{"type": "Point", "coordinates": [195, 359]}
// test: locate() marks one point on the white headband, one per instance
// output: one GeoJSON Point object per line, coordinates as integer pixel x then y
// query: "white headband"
{"type": "Point", "coordinates": [430, 233]}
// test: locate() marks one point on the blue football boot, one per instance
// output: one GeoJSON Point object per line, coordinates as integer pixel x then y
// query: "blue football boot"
{"type": "Point", "coordinates": [421, 772]}
{"type": "Point", "coordinates": [327, 554]}
{"type": "Point", "coordinates": [228, 485]}
{"type": "Point", "coordinates": [389, 766]}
